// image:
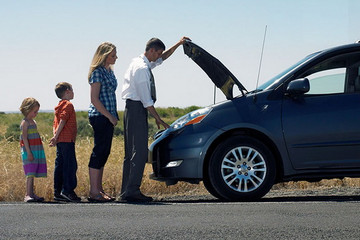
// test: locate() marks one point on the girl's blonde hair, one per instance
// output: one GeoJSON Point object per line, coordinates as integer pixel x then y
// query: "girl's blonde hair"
{"type": "Point", "coordinates": [100, 56]}
{"type": "Point", "coordinates": [28, 104]}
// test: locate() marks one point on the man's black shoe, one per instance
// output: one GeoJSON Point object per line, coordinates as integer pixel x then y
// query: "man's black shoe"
{"type": "Point", "coordinates": [137, 198]}
{"type": "Point", "coordinates": [71, 197]}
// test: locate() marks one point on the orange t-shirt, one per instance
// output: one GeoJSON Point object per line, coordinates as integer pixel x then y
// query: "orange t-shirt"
{"type": "Point", "coordinates": [65, 111]}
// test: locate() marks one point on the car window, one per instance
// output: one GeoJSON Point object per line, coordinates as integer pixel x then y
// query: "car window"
{"type": "Point", "coordinates": [328, 81]}
{"type": "Point", "coordinates": [282, 74]}
{"type": "Point", "coordinates": [336, 75]}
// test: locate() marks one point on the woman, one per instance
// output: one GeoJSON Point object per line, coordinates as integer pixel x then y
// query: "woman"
{"type": "Point", "coordinates": [103, 116]}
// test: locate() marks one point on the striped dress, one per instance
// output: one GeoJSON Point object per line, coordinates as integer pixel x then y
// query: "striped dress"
{"type": "Point", "coordinates": [36, 167]}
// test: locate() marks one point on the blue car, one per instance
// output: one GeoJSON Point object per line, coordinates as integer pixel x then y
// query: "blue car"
{"type": "Point", "coordinates": [303, 124]}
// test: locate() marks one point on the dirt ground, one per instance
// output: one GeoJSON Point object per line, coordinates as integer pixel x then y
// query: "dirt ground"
{"type": "Point", "coordinates": [339, 193]}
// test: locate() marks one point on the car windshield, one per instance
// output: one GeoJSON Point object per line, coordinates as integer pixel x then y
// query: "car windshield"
{"type": "Point", "coordinates": [279, 76]}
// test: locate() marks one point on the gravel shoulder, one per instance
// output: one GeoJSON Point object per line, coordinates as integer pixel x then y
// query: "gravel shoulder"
{"type": "Point", "coordinates": [315, 194]}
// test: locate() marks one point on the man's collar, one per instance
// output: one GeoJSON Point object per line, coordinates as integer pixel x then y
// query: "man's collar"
{"type": "Point", "coordinates": [146, 60]}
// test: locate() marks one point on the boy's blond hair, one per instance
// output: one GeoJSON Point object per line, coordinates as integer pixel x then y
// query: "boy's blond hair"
{"type": "Point", "coordinates": [28, 105]}
{"type": "Point", "coordinates": [61, 88]}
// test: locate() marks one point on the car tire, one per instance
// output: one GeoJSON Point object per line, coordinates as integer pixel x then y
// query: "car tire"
{"type": "Point", "coordinates": [241, 168]}
{"type": "Point", "coordinates": [211, 189]}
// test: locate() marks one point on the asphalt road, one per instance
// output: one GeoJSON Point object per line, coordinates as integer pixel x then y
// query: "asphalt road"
{"type": "Point", "coordinates": [276, 218]}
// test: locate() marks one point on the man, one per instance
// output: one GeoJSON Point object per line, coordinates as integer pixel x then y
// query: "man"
{"type": "Point", "coordinates": [140, 95]}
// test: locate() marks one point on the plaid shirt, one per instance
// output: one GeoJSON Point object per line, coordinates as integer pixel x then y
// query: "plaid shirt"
{"type": "Point", "coordinates": [107, 95]}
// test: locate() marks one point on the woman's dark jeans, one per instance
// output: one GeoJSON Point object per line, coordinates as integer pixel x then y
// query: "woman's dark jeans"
{"type": "Point", "coordinates": [103, 134]}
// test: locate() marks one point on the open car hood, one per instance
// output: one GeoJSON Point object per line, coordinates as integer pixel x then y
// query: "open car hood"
{"type": "Point", "coordinates": [217, 72]}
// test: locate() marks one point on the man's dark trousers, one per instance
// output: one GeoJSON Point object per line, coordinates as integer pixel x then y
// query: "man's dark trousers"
{"type": "Point", "coordinates": [136, 147]}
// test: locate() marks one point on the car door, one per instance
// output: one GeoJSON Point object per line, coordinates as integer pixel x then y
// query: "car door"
{"type": "Point", "coordinates": [322, 127]}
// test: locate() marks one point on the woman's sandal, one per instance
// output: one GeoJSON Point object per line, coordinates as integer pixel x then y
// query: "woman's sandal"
{"type": "Point", "coordinates": [99, 198]}
{"type": "Point", "coordinates": [107, 196]}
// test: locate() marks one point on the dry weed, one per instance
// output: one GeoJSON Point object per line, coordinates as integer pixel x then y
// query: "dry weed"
{"type": "Point", "coordinates": [12, 179]}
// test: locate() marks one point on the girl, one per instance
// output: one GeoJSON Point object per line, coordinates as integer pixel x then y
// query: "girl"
{"type": "Point", "coordinates": [32, 151]}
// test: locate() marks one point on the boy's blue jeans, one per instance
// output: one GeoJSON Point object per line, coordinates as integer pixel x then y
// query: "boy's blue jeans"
{"type": "Point", "coordinates": [65, 168]}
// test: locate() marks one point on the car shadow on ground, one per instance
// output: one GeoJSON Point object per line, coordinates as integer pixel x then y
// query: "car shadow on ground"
{"type": "Point", "coordinates": [344, 198]}
{"type": "Point", "coordinates": [318, 198]}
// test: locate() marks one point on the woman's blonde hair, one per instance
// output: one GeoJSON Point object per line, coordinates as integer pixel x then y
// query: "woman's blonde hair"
{"type": "Point", "coordinates": [100, 56]}
{"type": "Point", "coordinates": [28, 105]}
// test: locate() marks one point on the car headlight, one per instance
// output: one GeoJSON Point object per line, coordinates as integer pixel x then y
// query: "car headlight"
{"type": "Point", "coordinates": [191, 118]}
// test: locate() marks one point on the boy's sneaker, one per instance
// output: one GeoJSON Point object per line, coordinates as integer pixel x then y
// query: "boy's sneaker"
{"type": "Point", "coordinates": [59, 198]}
{"type": "Point", "coordinates": [71, 197]}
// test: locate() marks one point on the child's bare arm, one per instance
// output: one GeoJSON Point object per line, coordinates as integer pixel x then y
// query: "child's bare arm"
{"type": "Point", "coordinates": [54, 139]}
{"type": "Point", "coordinates": [24, 133]}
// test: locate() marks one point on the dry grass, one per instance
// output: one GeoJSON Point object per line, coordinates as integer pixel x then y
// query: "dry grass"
{"type": "Point", "coordinates": [325, 183]}
{"type": "Point", "coordinates": [12, 179]}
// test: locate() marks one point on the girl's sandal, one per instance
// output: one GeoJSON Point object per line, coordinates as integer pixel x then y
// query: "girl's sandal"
{"type": "Point", "coordinates": [38, 199]}
{"type": "Point", "coordinates": [29, 199]}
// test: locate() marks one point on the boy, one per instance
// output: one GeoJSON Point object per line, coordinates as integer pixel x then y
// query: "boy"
{"type": "Point", "coordinates": [65, 131]}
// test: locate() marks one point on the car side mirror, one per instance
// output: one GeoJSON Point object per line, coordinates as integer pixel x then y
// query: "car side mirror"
{"type": "Point", "coordinates": [298, 86]}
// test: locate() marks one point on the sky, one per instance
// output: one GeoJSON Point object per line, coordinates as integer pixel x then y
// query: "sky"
{"type": "Point", "coordinates": [44, 42]}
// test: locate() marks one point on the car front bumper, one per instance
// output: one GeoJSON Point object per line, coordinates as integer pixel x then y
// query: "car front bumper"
{"type": "Point", "coordinates": [178, 156]}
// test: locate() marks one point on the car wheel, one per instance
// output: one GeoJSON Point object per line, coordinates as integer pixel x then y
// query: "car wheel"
{"type": "Point", "coordinates": [241, 168]}
{"type": "Point", "coordinates": [210, 188]}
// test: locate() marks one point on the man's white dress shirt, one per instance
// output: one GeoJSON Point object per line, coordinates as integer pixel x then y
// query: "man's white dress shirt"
{"type": "Point", "coordinates": [136, 84]}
